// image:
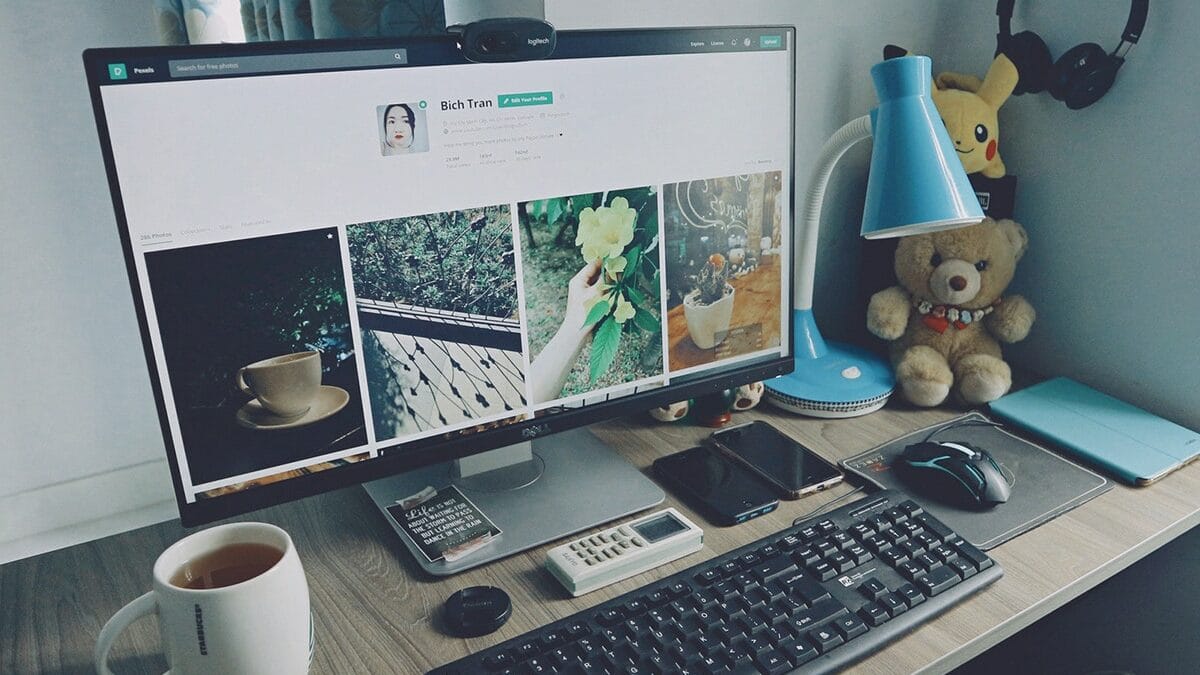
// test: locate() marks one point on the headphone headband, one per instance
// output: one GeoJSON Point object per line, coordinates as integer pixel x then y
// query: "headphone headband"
{"type": "Point", "coordinates": [1138, 10]}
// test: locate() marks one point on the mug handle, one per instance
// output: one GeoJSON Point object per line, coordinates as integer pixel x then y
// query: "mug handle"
{"type": "Point", "coordinates": [135, 610]}
{"type": "Point", "coordinates": [241, 383]}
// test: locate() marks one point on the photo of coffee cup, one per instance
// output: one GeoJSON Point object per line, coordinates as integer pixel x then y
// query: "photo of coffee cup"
{"type": "Point", "coordinates": [229, 599]}
{"type": "Point", "coordinates": [284, 385]}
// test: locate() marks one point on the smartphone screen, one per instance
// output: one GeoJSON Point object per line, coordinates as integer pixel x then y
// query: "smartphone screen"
{"type": "Point", "coordinates": [776, 456]}
{"type": "Point", "coordinates": [722, 487]}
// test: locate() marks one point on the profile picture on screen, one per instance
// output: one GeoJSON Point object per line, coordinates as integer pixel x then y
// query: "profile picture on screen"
{"type": "Point", "coordinates": [402, 129]}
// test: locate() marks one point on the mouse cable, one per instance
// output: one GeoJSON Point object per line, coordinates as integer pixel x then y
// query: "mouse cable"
{"type": "Point", "coordinates": [962, 423]}
{"type": "Point", "coordinates": [826, 506]}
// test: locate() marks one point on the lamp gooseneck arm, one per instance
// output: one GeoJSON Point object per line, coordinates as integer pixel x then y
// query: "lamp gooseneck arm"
{"type": "Point", "coordinates": [806, 262]}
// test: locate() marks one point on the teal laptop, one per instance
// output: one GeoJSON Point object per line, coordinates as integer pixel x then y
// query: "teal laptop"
{"type": "Point", "coordinates": [1134, 445]}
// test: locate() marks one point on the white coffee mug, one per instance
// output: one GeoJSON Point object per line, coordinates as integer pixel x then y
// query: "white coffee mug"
{"type": "Point", "coordinates": [284, 385]}
{"type": "Point", "coordinates": [260, 625]}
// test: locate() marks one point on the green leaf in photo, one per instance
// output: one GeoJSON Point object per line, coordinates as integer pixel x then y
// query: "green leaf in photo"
{"type": "Point", "coordinates": [581, 202]}
{"type": "Point", "coordinates": [554, 210]}
{"type": "Point", "coordinates": [604, 348]}
{"type": "Point", "coordinates": [635, 295]}
{"type": "Point", "coordinates": [597, 312]}
{"type": "Point", "coordinates": [646, 321]}
{"type": "Point", "coordinates": [633, 257]}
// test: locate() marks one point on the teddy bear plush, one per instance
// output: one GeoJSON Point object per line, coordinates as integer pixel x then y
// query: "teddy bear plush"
{"type": "Point", "coordinates": [947, 317]}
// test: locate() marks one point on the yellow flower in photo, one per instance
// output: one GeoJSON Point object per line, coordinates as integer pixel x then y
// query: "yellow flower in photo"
{"type": "Point", "coordinates": [615, 266]}
{"type": "Point", "coordinates": [625, 310]}
{"type": "Point", "coordinates": [606, 231]}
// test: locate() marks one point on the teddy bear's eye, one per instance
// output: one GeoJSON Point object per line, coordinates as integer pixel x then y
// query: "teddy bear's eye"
{"type": "Point", "coordinates": [981, 133]}
{"type": "Point", "coordinates": [936, 259]}
{"type": "Point", "coordinates": [981, 265]}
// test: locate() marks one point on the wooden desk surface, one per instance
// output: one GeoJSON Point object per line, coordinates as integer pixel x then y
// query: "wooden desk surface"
{"type": "Point", "coordinates": [376, 612]}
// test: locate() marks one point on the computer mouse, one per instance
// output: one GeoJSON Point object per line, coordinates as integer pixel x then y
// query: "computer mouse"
{"type": "Point", "coordinates": [957, 471]}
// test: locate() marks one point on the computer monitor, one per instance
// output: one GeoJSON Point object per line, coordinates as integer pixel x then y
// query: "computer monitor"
{"type": "Point", "coordinates": [359, 261]}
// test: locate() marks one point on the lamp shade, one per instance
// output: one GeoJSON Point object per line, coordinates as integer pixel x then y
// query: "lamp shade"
{"type": "Point", "coordinates": [917, 183]}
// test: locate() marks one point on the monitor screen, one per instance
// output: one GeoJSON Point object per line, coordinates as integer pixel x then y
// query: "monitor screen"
{"type": "Point", "coordinates": [353, 258]}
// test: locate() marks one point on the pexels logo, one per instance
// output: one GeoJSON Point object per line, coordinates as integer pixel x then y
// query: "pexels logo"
{"type": "Point", "coordinates": [535, 42]}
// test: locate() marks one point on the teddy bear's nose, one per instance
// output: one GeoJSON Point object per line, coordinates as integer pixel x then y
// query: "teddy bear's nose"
{"type": "Point", "coordinates": [958, 283]}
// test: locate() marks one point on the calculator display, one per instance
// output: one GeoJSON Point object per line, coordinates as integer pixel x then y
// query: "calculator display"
{"type": "Point", "coordinates": [657, 529]}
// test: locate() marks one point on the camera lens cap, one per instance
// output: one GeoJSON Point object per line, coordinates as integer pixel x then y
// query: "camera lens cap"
{"type": "Point", "coordinates": [477, 610]}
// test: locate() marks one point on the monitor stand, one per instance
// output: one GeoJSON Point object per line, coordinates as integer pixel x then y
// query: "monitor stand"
{"type": "Point", "coordinates": [535, 492]}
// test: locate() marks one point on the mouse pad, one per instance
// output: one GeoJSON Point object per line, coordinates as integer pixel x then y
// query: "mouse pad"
{"type": "Point", "coordinates": [1045, 486]}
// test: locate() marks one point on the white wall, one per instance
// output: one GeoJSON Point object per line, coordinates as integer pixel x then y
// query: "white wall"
{"type": "Point", "coordinates": [79, 437]}
{"type": "Point", "coordinates": [80, 446]}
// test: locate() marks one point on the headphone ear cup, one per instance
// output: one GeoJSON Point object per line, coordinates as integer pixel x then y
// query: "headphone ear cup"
{"type": "Point", "coordinates": [1031, 56]}
{"type": "Point", "coordinates": [1082, 75]}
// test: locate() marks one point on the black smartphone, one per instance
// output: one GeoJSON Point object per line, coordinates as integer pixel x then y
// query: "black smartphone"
{"type": "Point", "coordinates": [777, 458]}
{"type": "Point", "coordinates": [725, 492]}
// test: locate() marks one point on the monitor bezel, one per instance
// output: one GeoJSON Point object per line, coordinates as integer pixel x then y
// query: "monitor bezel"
{"type": "Point", "coordinates": [430, 450]}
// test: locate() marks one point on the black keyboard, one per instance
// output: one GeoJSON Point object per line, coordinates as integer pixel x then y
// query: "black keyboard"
{"type": "Point", "coordinates": [813, 598]}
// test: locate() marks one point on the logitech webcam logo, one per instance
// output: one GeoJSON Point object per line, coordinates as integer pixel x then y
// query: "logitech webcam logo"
{"type": "Point", "coordinates": [535, 42]}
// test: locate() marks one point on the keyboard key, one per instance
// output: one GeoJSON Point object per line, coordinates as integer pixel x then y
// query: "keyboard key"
{"type": "Point", "coordinates": [773, 568]}
{"type": "Point", "coordinates": [789, 542]}
{"type": "Point", "coordinates": [823, 571]}
{"type": "Point", "coordinates": [862, 530]}
{"type": "Point", "coordinates": [850, 626]}
{"type": "Point", "coordinates": [841, 562]}
{"type": "Point", "coordinates": [825, 638]}
{"type": "Point", "coordinates": [912, 597]}
{"type": "Point", "coordinates": [963, 567]}
{"type": "Point", "coordinates": [928, 561]}
{"type": "Point", "coordinates": [872, 588]}
{"type": "Point", "coordinates": [826, 526]}
{"type": "Point", "coordinates": [896, 515]}
{"type": "Point", "coordinates": [893, 603]}
{"type": "Point", "coordinates": [679, 589]}
{"type": "Point", "coordinates": [937, 580]}
{"type": "Point", "coordinates": [874, 614]}
{"type": "Point", "coordinates": [798, 652]}
{"type": "Point", "coordinates": [771, 661]}
{"type": "Point", "coordinates": [935, 527]}
{"type": "Point", "coordinates": [911, 508]}
{"type": "Point", "coordinates": [498, 661]}
{"type": "Point", "coordinates": [978, 558]}
{"type": "Point", "coordinates": [910, 569]}
{"type": "Point", "coordinates": [749, 560]}
{"type": "Point", "coordinates": [806, 556]}
{"type": "Point", "coordinates": [893, 556]}
{"type": "Point", "coordinates": [708, 576]}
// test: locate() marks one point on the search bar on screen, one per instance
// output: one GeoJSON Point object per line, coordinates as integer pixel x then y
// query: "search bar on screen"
{"type": "Point", "coordinates": [284, 63]}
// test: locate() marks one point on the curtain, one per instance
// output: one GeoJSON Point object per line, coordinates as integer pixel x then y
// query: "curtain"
{"type": "Point", "coordinates": [200, 21]}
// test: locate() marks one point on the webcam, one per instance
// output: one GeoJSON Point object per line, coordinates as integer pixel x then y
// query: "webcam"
{"type": "Point", "coordinates": [499, 40]}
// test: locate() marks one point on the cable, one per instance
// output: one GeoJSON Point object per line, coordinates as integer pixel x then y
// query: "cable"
{"type": "Point", "coordinates": [826, 506]}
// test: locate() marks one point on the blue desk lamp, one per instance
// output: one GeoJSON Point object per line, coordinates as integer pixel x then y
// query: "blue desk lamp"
{"type": "Point", "coordinates": [917, 184]}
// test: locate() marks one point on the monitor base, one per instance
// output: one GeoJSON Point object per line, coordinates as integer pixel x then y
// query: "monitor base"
{"type": "Point", "coordinates": [583, 483]}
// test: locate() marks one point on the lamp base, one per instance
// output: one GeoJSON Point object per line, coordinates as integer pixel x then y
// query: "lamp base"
{"type": "Point", "coordinates": [844, 381]}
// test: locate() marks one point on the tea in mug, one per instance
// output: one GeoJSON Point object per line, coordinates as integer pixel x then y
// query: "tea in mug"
{"type": "Point", "coordinates": [226, 566]}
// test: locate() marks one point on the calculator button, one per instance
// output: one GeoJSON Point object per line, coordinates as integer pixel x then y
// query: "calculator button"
{"type": "Point", "coordinates": [590, 561]}
{"type": "Point", "coordinates": [575, 546]}
{"type": "Point", "coordinates": [625, 531]}
{"type": "Point", "coordinates": [625, 544]}
{"type": "Point", "coordinates": [637, 541]}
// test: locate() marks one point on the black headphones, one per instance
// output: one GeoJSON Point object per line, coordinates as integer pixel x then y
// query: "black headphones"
{"type": "Point", "coordinates": [1079, 77]}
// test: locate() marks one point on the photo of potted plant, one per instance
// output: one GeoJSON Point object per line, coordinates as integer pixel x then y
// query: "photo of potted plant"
{"type": "Point", "coordinates": [709, 308]}
{"type": "Point", "coordinates": [724, 285]}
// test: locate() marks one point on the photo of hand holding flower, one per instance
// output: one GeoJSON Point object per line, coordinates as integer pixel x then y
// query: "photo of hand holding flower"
{"type": "Point", "coordinates": [591, 271]}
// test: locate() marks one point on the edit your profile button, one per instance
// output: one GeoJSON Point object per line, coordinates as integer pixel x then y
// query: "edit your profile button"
{"type": "Point", "coordinates": [525, 99]}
